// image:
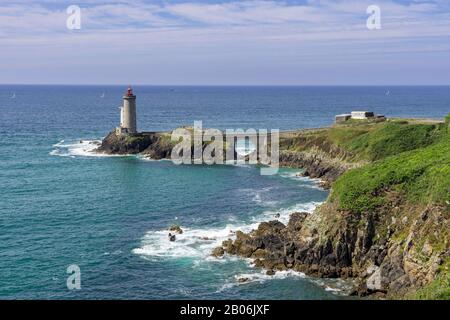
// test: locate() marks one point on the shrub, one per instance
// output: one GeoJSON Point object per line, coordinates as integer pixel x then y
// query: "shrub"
{"type": "Point", "coordinates": [391, 139]}
{"type": "Point", "coordinates": [422, 174]}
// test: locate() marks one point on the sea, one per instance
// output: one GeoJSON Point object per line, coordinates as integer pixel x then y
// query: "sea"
{"type": "Point", "coordinates": [65, 208]}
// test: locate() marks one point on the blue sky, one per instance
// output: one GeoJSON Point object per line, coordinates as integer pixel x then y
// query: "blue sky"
{"type": "Point", "coordinates": [308, 42]}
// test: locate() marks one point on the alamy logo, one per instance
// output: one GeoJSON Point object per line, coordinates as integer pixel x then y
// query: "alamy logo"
{"type": "Point", "coordinates": [74, 280]}
{"type": "Point", "coordinates": [73, 21]}
{"type": "Point", "coordinates": [211, 146]}
{"type": "Point", "coordinates": [374, 20]}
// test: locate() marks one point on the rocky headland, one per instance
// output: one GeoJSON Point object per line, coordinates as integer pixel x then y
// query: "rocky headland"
{"type": "Point", "coordinates": [155, 145]}
{"type": "Point", "coordinates": [386, 222]}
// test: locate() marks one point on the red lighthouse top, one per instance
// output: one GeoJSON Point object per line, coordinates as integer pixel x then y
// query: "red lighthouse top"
{"type": "Point", "coordinates": [129, 92]}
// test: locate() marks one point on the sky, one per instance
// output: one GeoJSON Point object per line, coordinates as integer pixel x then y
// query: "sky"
{"type": "Point", "coordinates": [254, 42]}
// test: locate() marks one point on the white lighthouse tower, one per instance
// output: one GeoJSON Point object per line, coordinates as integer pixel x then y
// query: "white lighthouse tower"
{"type": "Point", "coordinates": [128, 114]}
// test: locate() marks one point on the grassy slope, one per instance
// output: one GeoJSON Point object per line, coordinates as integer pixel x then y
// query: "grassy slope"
{"type": "Point", "coordinates": [413, 159]}
{"type": "Point", "coordinates": [393, 138]}
{"type": "Point", "coordinates": [410, 158]}
{"type": "Point", "coordinates": [365, 141]}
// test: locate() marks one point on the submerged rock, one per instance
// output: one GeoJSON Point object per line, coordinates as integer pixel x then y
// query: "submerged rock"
{"type": "Point", "coordinates": [243, 280]}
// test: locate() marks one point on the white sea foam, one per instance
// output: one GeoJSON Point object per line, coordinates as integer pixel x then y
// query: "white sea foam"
{"type": "Point", "coordinates": [191, 243]}
{"type": "Point", "coordinates": [333, 289]}
{"type": "Point", "coordinates": [199, 243]}
{"type": "Point", "coordinates": [259, 276]}
{"type": "Point", "coordinates": [80, 148]}
{"type": "Point", "coordinates": [259, 196]}
{"type": "Point", "coordinates": [312, 183]}
{"type": "Point", "coordinates": [283, 214]}
{"type": "Point", "coordinates": [145, 157]}
{"type": "Point", "coordinates": [335, 286]}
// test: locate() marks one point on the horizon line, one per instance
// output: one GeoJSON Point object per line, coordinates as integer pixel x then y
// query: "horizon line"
{"type": "Point", "coordinates": [226, 85]}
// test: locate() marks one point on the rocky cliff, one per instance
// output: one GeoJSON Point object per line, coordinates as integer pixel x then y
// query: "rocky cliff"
{"type": "Point", "coordinates": [316, 164]}
{"type": "Point", "coordinates": [388, 254]}
{"type": "Point", "coordinates": [386, 223]}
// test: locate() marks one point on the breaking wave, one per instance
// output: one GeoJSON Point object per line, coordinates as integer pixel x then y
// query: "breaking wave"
{"type": "Point", "coordinates": [334, 286]}
{"type": "Point", "coordinates": [80, 148]}
{"type": "Point", "coordinates": [306, 182]}
{"type": "Point", "coordinates": [199, 242]}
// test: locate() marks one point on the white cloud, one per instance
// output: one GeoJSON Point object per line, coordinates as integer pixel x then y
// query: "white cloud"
{"type": "Point", "coordinates": [21, 20]}
{"type": "Point", "coordinates": [253, 33]}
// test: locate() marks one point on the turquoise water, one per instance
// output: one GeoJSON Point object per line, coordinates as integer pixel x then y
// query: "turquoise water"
{"type": "Point", "coordinates": [61, 205]}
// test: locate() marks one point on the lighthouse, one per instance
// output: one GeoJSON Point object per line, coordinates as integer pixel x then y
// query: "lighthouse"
{"type": "Point", "coordinates": [128, 114]}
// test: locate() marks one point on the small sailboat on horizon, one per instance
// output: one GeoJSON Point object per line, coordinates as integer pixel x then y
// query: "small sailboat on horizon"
{"type": "Point", "coordinates": [13, 96]}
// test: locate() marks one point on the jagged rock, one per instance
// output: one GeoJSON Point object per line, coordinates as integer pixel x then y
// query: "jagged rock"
{"type": "Point", "coordinates": [342, 250]}
{"type": "Point", "coordinates": [296, 221]}
{"type": "Point", "coordinates": [176, 229]}
{"type": "Point", "coordinates": [218, 252]}
{"type": "Point", "coordinates": [373, 283]}
{"type": "Point", "coordinates": [369, 234]}
{"type": "Point", "coordinates": [259, 254]}
{"type": "Point", "coordinates": [270, 272]}
{"type": "Point", "coordinates": [269, 228]}
{"type": "Point", "coordinates": [320, 164]}
{"type": "Point", "coordinates": [228, 246]}
{"type": "Point", "coordinates": [258, 263]}
{"type": "Point", "coordinates": [289, 249]}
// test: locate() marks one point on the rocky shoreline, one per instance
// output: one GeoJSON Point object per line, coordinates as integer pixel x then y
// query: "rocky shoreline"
{"type": "Point", "coordinates": [151, 144]}
{"type": "Point", "coordinates": [316, 165]}
{"type": "Point", "coordinates": [389, 250]}
{"type": "Point", "coordinates": [380, 268]}
{"type": "Point", "coordinates": [157, 146]}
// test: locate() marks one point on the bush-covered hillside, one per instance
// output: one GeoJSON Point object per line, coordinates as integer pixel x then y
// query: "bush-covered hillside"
{"type": "Point", "coordinates": [367, 142]}
{"type": "Point", "coordinates": [423, 175]}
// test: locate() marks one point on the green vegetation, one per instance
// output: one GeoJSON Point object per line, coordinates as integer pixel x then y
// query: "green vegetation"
{"type": "Point", "coordinates": [363, 142]}
{"type": "Point", "coordinates": [343, 135]}
{"type": "Point", "coordinates": [415, 160]}
{"type": "Point", "coordinates": [438, 289]}
{"type": "Point", "coordinates": [393, 138]}
{"type": "Point", "coordinates": [402, 182]}
{"type": "Point", "coordinates": [131, 139]}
